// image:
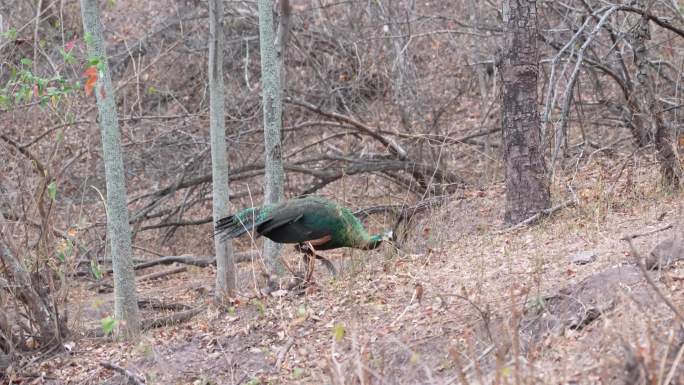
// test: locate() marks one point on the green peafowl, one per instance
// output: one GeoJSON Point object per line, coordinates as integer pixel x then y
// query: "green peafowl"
{"type": "Point", "coordinates": [311, 222]}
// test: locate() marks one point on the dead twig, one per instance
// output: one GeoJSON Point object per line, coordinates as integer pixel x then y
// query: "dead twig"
{"type": "Point", "coordinates": [637, 235]}
{"type": "Point", "coordinates": [394, 148]}
{"type": "Point", "coordinates": [534, 218]}
{"type": "Point", "coordinates": [161, 274]}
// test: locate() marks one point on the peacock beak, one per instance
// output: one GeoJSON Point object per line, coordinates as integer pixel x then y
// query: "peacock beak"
{"type": "Point", "coordinates": [391, 238]}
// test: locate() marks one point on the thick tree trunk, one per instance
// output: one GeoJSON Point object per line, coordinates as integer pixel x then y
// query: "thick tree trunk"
{"type": "Point", "coordinates": [125, 303]}
{"type": "Point", "coordinates": [272, 105]}
{"type": "Point", "coordinates": [225, 266]}
{"type": "Point", "coordinates": [527, 190]}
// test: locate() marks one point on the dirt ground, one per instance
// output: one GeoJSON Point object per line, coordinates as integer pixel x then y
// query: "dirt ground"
{"type": "Point", "coordinates": [462, 302]}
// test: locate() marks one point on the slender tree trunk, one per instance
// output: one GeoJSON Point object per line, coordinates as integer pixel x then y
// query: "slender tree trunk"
{"type": "Point", "coordinates": [648, 118]}
{"type": "Point", "coordinates": [125, 303]}
{"type": "Point", "coordinates": [225, 266]}
{"type": "Point", "coordinates": [527, 190]}
{"type": "Point", "coordinates": [283, 36]}
{"type": "Point", "coordinates": [272, 105]}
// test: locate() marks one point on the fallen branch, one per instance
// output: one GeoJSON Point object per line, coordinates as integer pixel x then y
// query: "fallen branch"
{"type": "Point", "coordinates": [183, 259]}
{"type": "Point", "coordinates": [132, 377]}
{"type": "Point", "coordinates": [161, 274]}
{"type": "Point", "coordinates": [537, 216]}
{"type": "Point", "coordinates": [147, 324]}
{"type": "Point", "coordinates": [245, 256]}
{"type": "Point", "coordinates": [105, 286]}
{"type": "Point", "coordinates": [637, 235]}
{"type": "Point", "coordinates": [156, 304]}
{"type": "Point", "coordinates": [172, 319]}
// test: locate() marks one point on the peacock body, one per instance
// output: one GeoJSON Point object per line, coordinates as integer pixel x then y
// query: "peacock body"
{"type": "Point", "coordinates": [322, 223]}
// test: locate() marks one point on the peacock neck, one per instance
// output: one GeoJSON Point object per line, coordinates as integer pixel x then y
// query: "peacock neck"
{"type": "Point", "coordinates": [373, 242]}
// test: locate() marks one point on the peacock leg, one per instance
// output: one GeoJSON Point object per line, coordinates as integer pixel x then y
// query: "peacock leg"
{"type": "Point", "coordinates": [310, 259]}
{"type": "Point", "coordinates": [307, 251]}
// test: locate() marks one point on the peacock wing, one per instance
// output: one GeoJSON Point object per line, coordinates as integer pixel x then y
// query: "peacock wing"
{"type": "Point", "coordinates": [289, 228]}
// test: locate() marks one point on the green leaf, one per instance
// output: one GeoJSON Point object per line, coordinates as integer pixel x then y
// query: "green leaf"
{"type": "Point", "coordinates": [338, 332]}
{"type": "Point", "coordinates": [260, 307]}
{"type": "Point", "coordinates": [297, 373]}
{"type": "Point", "coordinates": [10, 34]}
{"type": "Point", "coordinates": [94, 61]}
{"type": "Point", "coordinates": [61, 256]}
{"type": "Point", "coordinates": [108, 325]}
{"type": "Point", "coordinates": [301, 311]}
{"type": "Point", "coordinates": [151, 90]}
{"type": "Point", "coordinates": [88, 38]}
{"type": "Point", "coordinates": [52, 190]}
{"type": "Point", "coordinates": [95, 269]}
{"type": "Point", "coordinates": [26, 62]}
{"type": "Point", "coordinates": [69, 248]}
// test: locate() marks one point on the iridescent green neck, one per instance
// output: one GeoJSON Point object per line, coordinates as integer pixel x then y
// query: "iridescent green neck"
{"type": "Point", "coordinates": [373, 242]}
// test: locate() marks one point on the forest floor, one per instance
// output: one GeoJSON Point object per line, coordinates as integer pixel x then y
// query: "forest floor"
{"type": "Point", "coordinates": [463, 302]}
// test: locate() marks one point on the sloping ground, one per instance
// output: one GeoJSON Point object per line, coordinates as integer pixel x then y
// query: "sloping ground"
{"type": "Point", "coordinates": [451, 300]}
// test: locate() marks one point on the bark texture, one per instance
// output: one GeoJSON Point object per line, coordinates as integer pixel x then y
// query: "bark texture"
{"type": "Point", "coordinates": [647, 121]}
{"type": "Point", "coordinates": [125, 303]}
{"type": "Point", "coordinates": [225, 266]}
{"type": "Point", "coordinates": [271, 90]}
{"type": "Point", "coordinates": [527, 190]}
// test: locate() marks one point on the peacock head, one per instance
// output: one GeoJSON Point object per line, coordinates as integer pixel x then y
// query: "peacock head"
{"type": "Point", "coordinates": [387, 236]}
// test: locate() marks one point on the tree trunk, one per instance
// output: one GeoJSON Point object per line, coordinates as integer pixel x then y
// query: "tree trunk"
{"type": "Point", "coordinates": [527, 190]}
{"type": "Point", "coordinates": [125, 303]}
{"type": "Point", "coordinates": [272, 105]}
{"type": "Point", "coordinates": [225, 266]}
{"type": "Point", "coordinates": [647, 120]}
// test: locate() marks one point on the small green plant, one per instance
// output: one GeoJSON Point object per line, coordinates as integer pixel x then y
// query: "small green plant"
{"type": "Point", "coordinates": [52, 190]}
{"type": "Point", "coordinates": [261, 308]}
{"type": "Point", "coordinates": [338, 332]}
{"type": "Point", "coordinates": [253, 381]}
{"type": "Point", "coordinates": [95, 269]}
{"type": "Point", "coordinates": [64, 250]}
{"type": "Point", "coordinates": [10, 34]}
{"type": "Point", "coordinates": [108, 325]}
{"type": "Point", "coordinates": [297, 373]}
{"type": "Point", "coordinates": [24, 86]}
